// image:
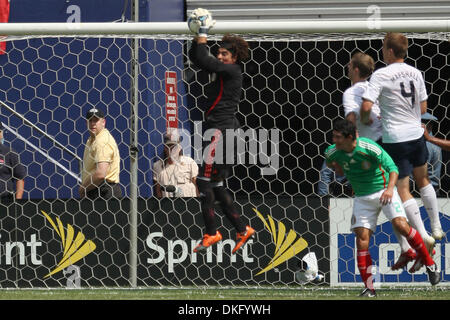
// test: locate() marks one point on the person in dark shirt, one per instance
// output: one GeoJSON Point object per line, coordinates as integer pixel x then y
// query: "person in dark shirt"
{"type": "Point", "coordinates": [223, 96]}
{"type": "Point", "coordinates": [11, 172]}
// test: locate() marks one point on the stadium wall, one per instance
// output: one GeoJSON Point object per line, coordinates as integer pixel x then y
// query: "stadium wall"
{"type": "Point", "coordinates": [323, 9]}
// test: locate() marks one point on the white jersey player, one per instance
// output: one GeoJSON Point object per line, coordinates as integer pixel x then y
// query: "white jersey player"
{"type": "Point", "coordinates": [360, 68]}
{"type": "Point", "coordinates": [401, 92]}
{"type": "Point", "coordinates": [352, 101]}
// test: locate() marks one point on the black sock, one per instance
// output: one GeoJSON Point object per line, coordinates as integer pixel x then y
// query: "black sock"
{"type": "Point", "coordinates": [207, 206]}
{"type": "Point", "coordinates": [228, 208]}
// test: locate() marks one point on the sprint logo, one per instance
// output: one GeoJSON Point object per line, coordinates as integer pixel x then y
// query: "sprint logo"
{"type": "Point", "coordinates": [73, 248]}
{"type": "Point", "coordinates": [285, 248]}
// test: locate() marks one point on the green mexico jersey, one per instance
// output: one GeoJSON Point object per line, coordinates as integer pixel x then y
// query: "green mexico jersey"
{"type": "Point", "coordinates": [367, 167]}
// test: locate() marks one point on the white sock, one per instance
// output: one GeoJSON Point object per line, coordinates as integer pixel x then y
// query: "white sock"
{"type": "Point", "coordinates": [404, 245]}
{"type": "Point", "coordinates": [414, 218]}
{"type": "Point", "coordinates": [430, 203]}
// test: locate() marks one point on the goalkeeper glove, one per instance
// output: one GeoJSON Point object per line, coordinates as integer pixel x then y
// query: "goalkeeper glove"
{"type": "Point", "coordinates": [201, 19]}
{"type": "Point", "coordinates": [206, 23]}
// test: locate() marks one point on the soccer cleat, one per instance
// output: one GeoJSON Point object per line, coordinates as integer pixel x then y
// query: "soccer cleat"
{"type": "Point", "coordinates": [429, 243]}
{"type": "Point", "coordinates": [418, 264]}
{"type": "Point", "coordinates": [438, 233]}
{"type": "Point", "coordinates": [404, 258]}
{"type": "Point", "coordinates": [243, 237]}
{"type": "Point", "coordinates": [434, 275]}
{"type": "Point", "coordinates": [207, 241]}
{"type": "Point", "coordinates": [369, 293]}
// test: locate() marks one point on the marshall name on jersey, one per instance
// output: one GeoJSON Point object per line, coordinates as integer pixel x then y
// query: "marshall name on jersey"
{"type": "Point", "coordinates": [400, 89]}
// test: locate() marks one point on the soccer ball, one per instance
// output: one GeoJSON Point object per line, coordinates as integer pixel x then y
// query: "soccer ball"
{"type": "Point", "coordinates": [193, 24]}
{"type": "Point", "coordinates": [199, 17]}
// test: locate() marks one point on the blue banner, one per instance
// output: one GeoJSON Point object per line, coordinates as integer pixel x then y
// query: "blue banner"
{"type": "Point", "coordinates": [384, 249]}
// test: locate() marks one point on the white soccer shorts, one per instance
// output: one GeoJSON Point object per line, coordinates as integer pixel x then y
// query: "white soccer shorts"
{"type": "Point", "coordinates": [367, 208]}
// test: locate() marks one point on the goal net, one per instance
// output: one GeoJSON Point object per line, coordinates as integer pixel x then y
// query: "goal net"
{"type": "Point", "coordinates": [292, 92]}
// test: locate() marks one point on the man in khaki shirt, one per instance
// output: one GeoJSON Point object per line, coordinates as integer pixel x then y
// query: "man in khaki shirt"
{"type": "Point", "coordinates": [101, 160]}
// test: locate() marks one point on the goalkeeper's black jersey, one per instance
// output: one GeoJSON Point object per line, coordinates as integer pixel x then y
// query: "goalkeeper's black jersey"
{"type": "Point", "coordinates": [223, 93]}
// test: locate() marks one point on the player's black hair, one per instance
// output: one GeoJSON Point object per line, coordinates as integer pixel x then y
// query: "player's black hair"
{"type": "Point", "coordinates": [236, 45]}
{"type": "Point", "coordinates": [345, 127]}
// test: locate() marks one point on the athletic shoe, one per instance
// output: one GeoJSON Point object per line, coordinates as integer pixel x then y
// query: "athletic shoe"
{"type": "Point", "coordinates": [434, 275]}
{"type": "Point", "coordinates": [207, 241]}
{"type": "Point", "coordinates": [429, 243]}
{"type": "Point", "coordinates": [243, 237]}
{"type": "Point", "coordinates": [404, 258]}
{"type": "Point", "coordinates": [438, 233]}
{"type": "Point", "coordinates": [369, 293]}
{"type": "Point", "coordinates": [418, 264]}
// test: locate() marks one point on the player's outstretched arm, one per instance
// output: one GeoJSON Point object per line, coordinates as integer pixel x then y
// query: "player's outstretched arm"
{"type": "Point", "coordinates": [423, 106]}
{"type": "Point", "coordinates": [20, 187]}
{"type": "Point", "coordinates": [444, 144]}
{"type": "Point", "coordinates": [366, 107]}
{"type": "Point", "coordinates": [387, 195]}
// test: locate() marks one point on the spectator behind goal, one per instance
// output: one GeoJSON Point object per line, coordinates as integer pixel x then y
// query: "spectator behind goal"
{"type": "Point", "coordinates": [175, 170]}
{"type": "Point", "coordinates": [12, 173]}
{"type": "Point", "coordinates": [101, 161]}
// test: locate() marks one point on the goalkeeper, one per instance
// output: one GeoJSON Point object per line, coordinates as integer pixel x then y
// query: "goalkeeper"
{"type": "Point", "coordinates": [223, 96]}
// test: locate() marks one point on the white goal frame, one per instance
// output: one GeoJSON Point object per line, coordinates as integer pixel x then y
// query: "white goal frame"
{"type": "Point", "coordinates": [241, 27]}
{"type": "Point", "coordinates": [179, 30]}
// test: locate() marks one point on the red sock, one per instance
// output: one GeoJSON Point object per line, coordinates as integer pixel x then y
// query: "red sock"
{"type": "Point", "coordinates": [365, 267]}
{"type": "Point", "coordinates": [416, 241]}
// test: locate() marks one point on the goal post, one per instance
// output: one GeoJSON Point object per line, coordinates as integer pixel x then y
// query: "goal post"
{"type": "Point", "coordinates": [221, 27]}
{"type": "Point", "coordinates": [292, 91]}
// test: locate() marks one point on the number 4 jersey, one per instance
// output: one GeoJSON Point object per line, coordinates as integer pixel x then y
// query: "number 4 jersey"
{"type": "Point", "coordinates": [367, 167]}
{"type": "Point", "coordinates": [399, 89]}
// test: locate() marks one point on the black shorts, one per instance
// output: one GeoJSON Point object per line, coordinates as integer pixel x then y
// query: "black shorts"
{"type": "Point", "coordinates": [408, 155]}
{"type": "Point", "coordinates": [217, 161]}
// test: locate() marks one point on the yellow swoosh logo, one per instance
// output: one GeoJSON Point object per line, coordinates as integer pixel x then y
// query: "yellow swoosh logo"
{"type": "Point", "coordinates": [73, 250]}
{"type": "Point", "coordinates": [285, 247]}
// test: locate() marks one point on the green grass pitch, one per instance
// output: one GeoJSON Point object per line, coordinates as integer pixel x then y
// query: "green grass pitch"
{"type": "Point", "coordinates": [219, 293]}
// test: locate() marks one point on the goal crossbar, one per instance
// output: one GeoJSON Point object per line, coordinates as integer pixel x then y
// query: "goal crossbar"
{"type": "Point", "coordinates": [260, 26]}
